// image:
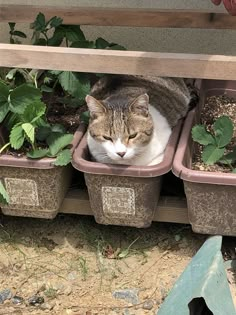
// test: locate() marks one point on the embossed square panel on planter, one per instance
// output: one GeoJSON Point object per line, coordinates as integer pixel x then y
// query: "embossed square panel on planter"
{"type": "Point", "coordinates": [211, 196]}
{"type": "Point", "coordinates": [120, 194]}
{"type": "Point", "coordinates": [36, 188]}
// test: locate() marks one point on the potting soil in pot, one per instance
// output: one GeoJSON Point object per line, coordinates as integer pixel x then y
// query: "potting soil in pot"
{"type": "Point", "coordinates": [215, 107]}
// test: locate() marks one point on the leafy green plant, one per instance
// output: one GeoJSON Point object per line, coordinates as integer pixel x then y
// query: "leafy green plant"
{"type": "Point", "coordinates": [28, 127]}
{"type": "Point", "coordinates": [215, 142]}
{"type": "Point", "coordinates": [53, 32]}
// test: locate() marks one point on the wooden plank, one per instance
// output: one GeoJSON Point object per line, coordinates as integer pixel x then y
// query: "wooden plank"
{"type": "Point", "coordinates": [120, 16]}
{"type": "Point", "coordinates": [170, 209]}
{"type": "Point", "coordinates": [119, 62]}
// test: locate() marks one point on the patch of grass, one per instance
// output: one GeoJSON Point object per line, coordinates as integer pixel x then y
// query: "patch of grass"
{"type": "Point", "coordinates": [83, 267]}
{"type": "Point", "coordinates": [51, 293]}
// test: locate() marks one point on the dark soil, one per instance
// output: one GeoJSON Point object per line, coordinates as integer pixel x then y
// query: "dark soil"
{"type": "Point", "coordinates": [68, 116]}
{"type": "Point", "coordinates": [215, 107]}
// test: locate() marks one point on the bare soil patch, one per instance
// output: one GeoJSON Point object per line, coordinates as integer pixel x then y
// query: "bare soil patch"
{"type": "Point", "coordinates": [76, 265]}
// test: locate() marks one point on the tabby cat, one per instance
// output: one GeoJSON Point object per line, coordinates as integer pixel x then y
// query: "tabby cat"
{"type": "Point", "coordinates": [131, 117]}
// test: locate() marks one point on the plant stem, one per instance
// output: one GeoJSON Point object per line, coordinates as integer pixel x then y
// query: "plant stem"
{"type": "Point", "coordinates": [46, 37]}
{"type": "Point", "coordinates": [67, 43]}
{"type": "Point", "coordinates": [4, 147]}
{"type": "Point", "coordinates": [35, 80]}
{"type": "Point", "coordinates": [229, 164]}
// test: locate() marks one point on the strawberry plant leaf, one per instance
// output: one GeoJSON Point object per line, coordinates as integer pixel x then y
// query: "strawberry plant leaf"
{"type": "Point", "coordinates": [4, 107]}
{"type": "Point", "coordinates": [43, 132]}
{"type": "Point", "coordinates": [55, 21]}
{"type": "Point", "coordinates": [11, 74]}
{"type": "Point", "coordinates": [211, 154]}
{"type": "Point", "coordinates": [40, 23]}
{"type": "Point", "coordinates": [4, 110]}
{"type": "Point", "coordinates": [71, 84]}
{"type": "Point", "coordinates": [45, 88]}
{"type": "Point", "coordinates": [12, 26]}
{"type": "Point", "coordinates": [56, 39]}
{"type": "Point", "coordinates": [114, 46]}
{"type": "Point", "coordinates": [33, 112]}
{"type": "Point", "coordinates": [229, 158]}
{"type": "Point", "coordinates": [19, 34]}
{"type": "Point", "coordinates": [58, 128]}
{"type": "Point", "coordinates": [223, 128]}
{"type": "Point", "coordinates": [58, 141]}
{"type": "Point", "coordinates": [101, 43]}
{"type": "Point", "coordinates": [4, 198]}
{"type": "Point", "coordinates": [83, 44]}
{"type": "Point", "coordinates": [72, 33]}
{"type": "Point", "coordinates": [29, 130]}
{"type": "Point", "coordinates": [17, 137]}
{"type": "Point", "coordinates": [85, 117]}
{"type": "Point", "coordinates": [201, 135]}
{"type": "Point", "coordinates": [63, 158]}
{"type": "Point", "coordinates": [22, 96]}
{"type": "Point", "coordinates": [37, 154]}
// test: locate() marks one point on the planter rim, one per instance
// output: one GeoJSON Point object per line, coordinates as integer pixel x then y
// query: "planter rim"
{"type": "Point", "coordinates": [179, 168]}
{"type": "Point", "coordinates": [44, 163]}
{"type": "Point", "coordinates": [82, 164]}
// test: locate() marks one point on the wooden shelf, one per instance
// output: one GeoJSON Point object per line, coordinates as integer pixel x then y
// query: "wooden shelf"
{"type": "Point", "coordinates": [121, 16]}
{"type": "Point", "coordinates": [118, 62]}
{"type": "Point", "coordinates": [170, 209]}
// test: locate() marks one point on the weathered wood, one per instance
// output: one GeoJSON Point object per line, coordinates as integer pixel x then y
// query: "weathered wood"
{"type": "Point", "coordinates": [120, 16]}
{"type": "Point", "coordinates": [119, 62]}
{"type": "Point", "coordinates": [170, 209]}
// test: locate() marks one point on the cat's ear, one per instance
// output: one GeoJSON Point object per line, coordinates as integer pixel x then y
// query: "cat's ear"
{"type": "Point", "coordinates": [95, 107]}
{"type": "Point", "coordinates": [140, 105]}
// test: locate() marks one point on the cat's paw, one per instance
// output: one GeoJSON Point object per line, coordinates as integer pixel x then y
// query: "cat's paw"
{"type": "Point", "coordinates": [157, 160]}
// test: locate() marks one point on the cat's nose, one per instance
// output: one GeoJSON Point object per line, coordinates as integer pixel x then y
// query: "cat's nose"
{"type": "Point", "coordinates": [121, 154]}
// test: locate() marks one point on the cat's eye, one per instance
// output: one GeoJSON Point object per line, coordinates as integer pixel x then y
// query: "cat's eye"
{"type": "Point", "coordinates": [134, 135]}
{"type": "Point", "coordinates": [107, 138]}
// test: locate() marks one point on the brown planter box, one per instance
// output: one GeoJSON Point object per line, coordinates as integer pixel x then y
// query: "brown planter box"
{"type": "Point", "coordinates": [120, 194]}
{"type": "Point", "coordinates": [211, 196]}
{"type": "Point", "coordinates": [36, 187]}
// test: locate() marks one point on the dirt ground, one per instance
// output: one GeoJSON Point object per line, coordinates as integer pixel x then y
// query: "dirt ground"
{"type": "Point", "coordinates": [77, 266]}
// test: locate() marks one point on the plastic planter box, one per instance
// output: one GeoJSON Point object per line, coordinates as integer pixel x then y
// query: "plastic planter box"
{"type": "Point", "coordinates": [124, 195]}
{"type": "Point", "coordinates": [36, 187]}
{"type": "Point", "coordinates": [211, 197]}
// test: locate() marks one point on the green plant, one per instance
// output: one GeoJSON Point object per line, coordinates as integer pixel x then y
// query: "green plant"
{"type": "Point", "coordinates": [51, 293]}
{"type": "Point", "coordinates": [15, 34]}
{"type": "Point", "coordinates": [53, 32]}
{"type": "Point", "coordinates": [216, 141]}
{"type": "Point", "coordinates": [28, 127]}
{"type": "Point", "coordinates": [83, 267]}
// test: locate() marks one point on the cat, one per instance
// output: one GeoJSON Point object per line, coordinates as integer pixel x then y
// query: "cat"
{"type": "Point", "coordinates": [131, 117]}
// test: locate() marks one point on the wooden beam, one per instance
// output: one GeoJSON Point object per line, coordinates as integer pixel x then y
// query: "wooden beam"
{"type": "Point", "coordinates": [170, 209]}
{"type": "Point", "coordinates": [120, 16]}
{"type": "Point", "coordinates": [119, 62]}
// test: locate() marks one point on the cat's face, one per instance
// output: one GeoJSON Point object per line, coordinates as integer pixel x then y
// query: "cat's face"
{"type": "Point", "coordinates": [123, 130]}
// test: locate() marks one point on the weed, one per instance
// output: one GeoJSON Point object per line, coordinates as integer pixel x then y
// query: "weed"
{"type": "Point", "coordinates": [51, 293]}
{"type": "Point", "coordinates": [83, 267]}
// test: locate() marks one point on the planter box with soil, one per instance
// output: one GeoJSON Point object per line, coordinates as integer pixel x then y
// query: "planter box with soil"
{"type": "Point", "coordinates": [210, 189]}
{"type": "Point", "coordinates": [120, 194]}
{"type": "Point", "coordinates": [36, 188]}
